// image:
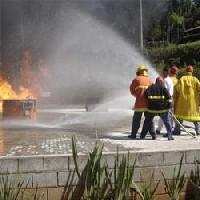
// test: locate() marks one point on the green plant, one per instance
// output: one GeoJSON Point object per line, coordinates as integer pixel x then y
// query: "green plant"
{"type": "Point", "coordinates": [175, 54]}
{"type": "Point", "coordinates": [10, 189]}
{"type": "Point", "coordinates": [123, 177]}
{"type": "Point", "coordinates": [95, 181]}
{"type": "Point", "coordinates": [148, 188]}
{"type": "Point", "coordinates": [195, 174]}
{"type": "Point", "coordinates": [192, 190]}
{"type": "Point", "coordinates": [37, 195]}
{"type": "Point", "coordinates": [175, 185]}
{"type": "Point", "coordinates": [68, 189]}
{"type": "Point", "coordinates": [92, 180]}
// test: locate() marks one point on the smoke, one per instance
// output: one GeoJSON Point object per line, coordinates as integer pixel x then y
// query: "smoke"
{"type": "Point", "coordinates": [124, 16]}
{"type": "Point", "coordinates": [88, 44]}
{"type": "Point", "coordinates": [92, 60]}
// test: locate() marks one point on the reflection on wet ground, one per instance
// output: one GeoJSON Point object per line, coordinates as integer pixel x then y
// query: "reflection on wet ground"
{"type": "Point", "coordinates": [52, 133]}
{"type": "Point", "coordinates": [47, 141]}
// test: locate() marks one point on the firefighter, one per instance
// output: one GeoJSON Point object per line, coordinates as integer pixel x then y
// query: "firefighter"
{"type": "Point", "coordinates": [173, 75]}
{"type": "Point", "coordinates": [170, 81]}
{"type": "Point", "coordinates": [186, 102]}
{"type": "Point", "coordinates": [137, 89]}
{"type": "Point", "coordinates": [159, 103]}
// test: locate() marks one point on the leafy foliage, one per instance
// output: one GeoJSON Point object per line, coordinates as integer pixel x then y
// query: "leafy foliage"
{"type": "Point", "coordinates": [148, 188]}
{"type": "Point", "coordinates": [95, 181]}
{"type": "Point", "coordinates": [10, 189]}
{"type": "Point", "coordinates": [180, 55]}
{"type": "Point", "coordinates": [181, 15]}
{"type": "Point", "coordinates": [175, 185]}
{"type": "Point", "coordinates": [195, 174]}
{"type": "Point", "coordinates": [123, 178]}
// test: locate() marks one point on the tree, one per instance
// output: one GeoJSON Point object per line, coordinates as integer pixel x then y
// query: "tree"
{"type": "Point", "coordinates": [196, 16]}
{"type": "Point", "coordinates": [155, 32]}
{"type": "Point", "coordinates": [197, 2]}
{"type": "Point", "coordinates": [177, 25]}
{"type": "Point", "coordinates": [186, 7]}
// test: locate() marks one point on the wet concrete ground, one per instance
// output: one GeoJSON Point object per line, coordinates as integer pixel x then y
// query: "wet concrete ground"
{"type": "Point", "coordinates": [53, 130]}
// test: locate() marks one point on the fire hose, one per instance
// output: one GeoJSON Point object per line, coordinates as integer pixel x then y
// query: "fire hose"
{"type": "Point", "coordinates": [181, 125]}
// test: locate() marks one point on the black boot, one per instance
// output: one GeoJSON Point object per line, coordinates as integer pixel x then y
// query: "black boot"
{"type": "Point", "coordinates": [132, 136]}
{"type": "Point", "coordinates": [197, 127]}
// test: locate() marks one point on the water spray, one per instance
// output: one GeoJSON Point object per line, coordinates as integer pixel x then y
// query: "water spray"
{"type": "Point", "coordinates": [181, 125]}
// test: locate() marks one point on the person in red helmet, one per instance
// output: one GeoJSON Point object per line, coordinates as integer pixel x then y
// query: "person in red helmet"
{"type": "Point", "coordinates": [186, 100]}
{"type": "Point", "coordinates": [159, 103]}
{"type": "Point", "coordinates": [137, 89]}
{"type": "Point", "coordinates": [173, 74]}
{"type": "Point", "coordinates": [171, 80]}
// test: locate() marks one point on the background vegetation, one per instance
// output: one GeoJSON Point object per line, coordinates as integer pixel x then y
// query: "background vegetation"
{"type": "Point", "coordinates": [174, 39]}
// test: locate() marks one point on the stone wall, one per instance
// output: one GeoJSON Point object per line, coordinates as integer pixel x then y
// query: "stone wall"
{"type": "Point", "coordinates": [49, 173]}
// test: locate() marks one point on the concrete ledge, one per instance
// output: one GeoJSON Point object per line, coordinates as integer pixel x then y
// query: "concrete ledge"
{"type": "Point", "coordinates": [8, 166]}
{"type": "Point", "coordinates": [50, 173]}
{"type": "Point", "coordinates": [192, 155]}
{"type": "Point", "coordinates": [173, 157]}
{"type": "Point", "coordinates": [57, 163]}
{"type": "Point", "coordinates": [48, 179]}
{"type": "Point", "coordinates": [30, 164]}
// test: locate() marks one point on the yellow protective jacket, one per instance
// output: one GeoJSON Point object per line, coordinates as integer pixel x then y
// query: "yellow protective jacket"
{"type": "Point", "coordinates": [174, 79]}
{"type": "Point", "coordinates": [186, 105]}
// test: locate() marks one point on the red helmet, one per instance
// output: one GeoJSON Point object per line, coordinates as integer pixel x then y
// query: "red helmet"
{"type": "Point", "coordinates": [160, 80]}
{"type": "Point", "coordinates": [189, 68]}
{"type": "Point", "coordinates": [174, 70]}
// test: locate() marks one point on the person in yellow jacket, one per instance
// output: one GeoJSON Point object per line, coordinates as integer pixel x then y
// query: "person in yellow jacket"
{"type": "Point", "coordinates": [186, 102]}
{"type": "Point", "coordinates": [173, 74]}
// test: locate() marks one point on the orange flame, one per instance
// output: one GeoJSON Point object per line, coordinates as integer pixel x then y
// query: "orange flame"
{"type": "Point", "coordinates": [7, 92]}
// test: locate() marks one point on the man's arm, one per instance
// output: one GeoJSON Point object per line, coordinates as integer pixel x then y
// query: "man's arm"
{"type": "Point", "coordinates": [133, 87]}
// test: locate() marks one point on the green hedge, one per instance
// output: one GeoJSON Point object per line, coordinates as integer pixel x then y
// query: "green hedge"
{"type": "Point", "coordinates": [181, 54]}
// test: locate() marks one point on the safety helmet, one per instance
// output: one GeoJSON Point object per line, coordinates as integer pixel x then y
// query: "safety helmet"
{"type": "Point", "coordinates": [142, 70]}
{"type": "Point", "coordinates": [174, 70]}
{"type": "Point", "coordinates": [160, 80]}
{"type": "Point", "coordinates": [189, 68]}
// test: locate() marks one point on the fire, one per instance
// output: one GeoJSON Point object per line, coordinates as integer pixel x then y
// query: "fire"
{"type": "Point", "coordinates": [24, 93]}
{"type": "Point", "coordinates": [7, 92]}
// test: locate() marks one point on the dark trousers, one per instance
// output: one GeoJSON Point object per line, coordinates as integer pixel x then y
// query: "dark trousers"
{"type": "Point", "coordinates": [167, 119]}
{"type": "Point", "coordinates": [136, 123]}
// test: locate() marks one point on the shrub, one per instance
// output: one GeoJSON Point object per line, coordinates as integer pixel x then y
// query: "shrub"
{"type": "Point", "coordinates": [10, 189]}
{"type": "Point", "coordinates": [95, 181]}
{"type": "Point", "coordinates": [175, 185]}
{"type": "Point", "coordinates": [148, 188]}
{"type": "Point", "coordinates": [182, 54]}
{"type": "Point", "coordinates": [195, 174]}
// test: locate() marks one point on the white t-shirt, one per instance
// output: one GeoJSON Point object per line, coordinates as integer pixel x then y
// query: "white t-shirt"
{"type": "Point", "coordinates": [168, 83]}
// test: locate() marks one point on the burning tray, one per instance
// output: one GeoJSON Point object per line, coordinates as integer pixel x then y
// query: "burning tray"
{"type": "Point", "coordinates": [19, 109]}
